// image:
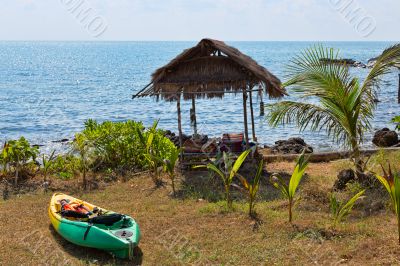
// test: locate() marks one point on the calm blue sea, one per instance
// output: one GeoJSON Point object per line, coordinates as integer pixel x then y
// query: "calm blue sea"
{"type": "Point", "coordinates": [48, 89]}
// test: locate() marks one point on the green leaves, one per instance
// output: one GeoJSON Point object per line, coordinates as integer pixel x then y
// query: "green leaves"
{"type": "Point", "coordinates": [344, 107]}
{"type": "Point", "coordinates": [230, 170]}
{"type": "Point", "coordinates": [391, 181]}
{"type": "Point", "coordinates": [252, 187]}
{"type": "Point", "coordinates": [340, 210]}
{"type": "Point", "coordinates": [396, 120]}
{"type": "Point", "coordinates": [289, 190]}
{"type": "Point", "coordinates": [16, 154]}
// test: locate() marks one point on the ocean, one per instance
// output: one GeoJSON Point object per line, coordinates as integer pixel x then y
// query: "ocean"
{"type": "Point", "coordinates": [48, 89]}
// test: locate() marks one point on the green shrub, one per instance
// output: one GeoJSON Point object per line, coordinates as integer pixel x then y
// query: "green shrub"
{"type": "Point", "coordinates": [17, 155]}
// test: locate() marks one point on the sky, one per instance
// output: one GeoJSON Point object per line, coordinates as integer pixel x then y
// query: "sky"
{"type": "Point", "coordinates": [184, 20]}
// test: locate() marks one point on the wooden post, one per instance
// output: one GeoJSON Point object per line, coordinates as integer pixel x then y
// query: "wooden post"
{"type": "Point", "coordinates": [193, 115]}
{"type": "Point", "coordinates": [178, 107]}
{"type": "Point", "coordinates": [252, 116]}
{"type": "Point", "coordinates": [246, 130]}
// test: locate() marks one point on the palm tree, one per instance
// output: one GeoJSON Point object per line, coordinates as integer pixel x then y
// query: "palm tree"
{"type": "Point", "coordinates": [345, 106]}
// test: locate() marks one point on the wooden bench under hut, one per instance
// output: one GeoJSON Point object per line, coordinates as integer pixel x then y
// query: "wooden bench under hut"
{"type": "Point", "coordinates": [208, 70]}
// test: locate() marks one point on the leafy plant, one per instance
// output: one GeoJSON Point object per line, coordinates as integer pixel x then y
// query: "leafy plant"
{"type": "Point", "coordinates": [396, 120]}
{"type": "Point", "coordinates": [16, 154]}
{"type": "Point", "coordinates": [289, 190]}
{"type": "Point", "coordinates": [391, 181]}
{"type": "Point", "coordinates": [47, 163]}
{"type": "Point", "coordinates": [341, 210]}
{"type": "Point", "coordinates": [229, 171]}
{"type": "Point", "coordinates": [170, 164]}
{"type": "Point", "coordinates": [345, 106]}
{"type": "Point", "coordinates": [84, 149]}
{"type": "Point", "coordinates": [151, 152]}
{"type": "Point", "coordinates": [252, 187]}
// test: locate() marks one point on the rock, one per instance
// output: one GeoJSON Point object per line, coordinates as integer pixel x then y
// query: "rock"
{"type": "Point", "coordinates": [344, 177]}
{"type": "Point", "coordinates": [60, 141]}
{"type": "Point", "coordinates": [385, 138]}
{"type": "Point", "coordinates": [371, 62]}
{"type": "Point", "coordinates": [291, 146]}
{"type": "Point", "coordinates": [344, 61]}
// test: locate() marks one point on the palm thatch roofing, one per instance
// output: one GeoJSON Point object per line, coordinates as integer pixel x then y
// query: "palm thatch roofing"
{"type": "Point", "coordinates": [210, 69]}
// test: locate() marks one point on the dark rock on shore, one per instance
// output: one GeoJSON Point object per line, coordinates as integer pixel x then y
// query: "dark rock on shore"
{"type": "Point", "coordinates": [202, 139]}
{"type": "Point", "coordinates": [291, 146]}
{"type": "Point", "coordinates": [60, 141]}
{"type": "Point", "coordinates": [344, 177]}
{"type": "Point", "coordinates": [344, 61]}
{"type": "Point", "coordinates": [385, 138]}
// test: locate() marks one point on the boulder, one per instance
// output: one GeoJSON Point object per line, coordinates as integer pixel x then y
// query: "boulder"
{"type": "Point", "coordinates": [344, 177]}
{"type": "Point", "coordinates": [385, 138]}
{"type": "Point", "coordinates": [291, 146]}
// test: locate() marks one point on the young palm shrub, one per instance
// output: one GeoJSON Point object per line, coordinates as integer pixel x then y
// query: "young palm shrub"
{"type": "Point", "coordinates": [391, 181]}
{"type": "Point", "coordinates": [252, 187]}
{"type": "Point", "coordinates": [345, 105]}
{"type": "Point", "coordinates": [289, 190]}
{"type": "Point", "coordinates": [151, 152]}
{"type": "Point", "coordinates": [170, 165]}
{"type": "Point", "coordinates": [47, 163]}
{"type": "Point", "coordinates": [341, 210]}
{"type": "Point", "coordinates": [81, 145]}
{"type": "Point", "coordinates": [228, 172]}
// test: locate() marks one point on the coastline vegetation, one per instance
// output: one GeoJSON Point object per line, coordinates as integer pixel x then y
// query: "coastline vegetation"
{"type": "Point", "coordinates": [345, 104]}
{"type": "Point", "coordinates": [128, 150]}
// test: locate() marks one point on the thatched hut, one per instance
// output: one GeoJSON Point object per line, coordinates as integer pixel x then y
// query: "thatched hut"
{"type": "Point", "coordinates": [211, 69]}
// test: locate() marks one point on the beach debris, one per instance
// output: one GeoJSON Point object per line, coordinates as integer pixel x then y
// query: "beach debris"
{"type": "Point", "coordinates": [385, 138]}
{"type": "Point", "coordinates": [291, 146]}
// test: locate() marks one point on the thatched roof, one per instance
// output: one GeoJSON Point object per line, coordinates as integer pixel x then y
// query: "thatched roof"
{"type": "Point", "coordinates": [210, 69]}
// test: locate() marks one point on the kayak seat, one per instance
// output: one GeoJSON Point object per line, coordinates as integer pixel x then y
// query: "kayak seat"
{"type": "Point", "coordinates": [107, 220]}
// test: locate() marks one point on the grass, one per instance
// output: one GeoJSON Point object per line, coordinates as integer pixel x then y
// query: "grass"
{"type": "Point", "coordinates": [197, 228]}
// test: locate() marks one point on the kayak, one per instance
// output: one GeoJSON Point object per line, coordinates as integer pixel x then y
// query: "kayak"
{"type": "Point", "coordinates": [105, 230]}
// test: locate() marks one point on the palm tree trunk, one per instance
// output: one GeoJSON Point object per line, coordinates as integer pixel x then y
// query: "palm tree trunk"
{"type": "Point", "coordinates": [290, 211]}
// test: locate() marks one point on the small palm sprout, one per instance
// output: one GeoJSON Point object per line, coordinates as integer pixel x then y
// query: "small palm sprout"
{"type": "Point", "coordinates": [392, 184]}
{"type": "Point", "coordinates": [252, 187]}
{"type": "Point", "coordinates": [289, 191]}
{"type": "Point", "coordinates": [341, 210]}
{"type": "Point", "coordinates": [170, 165]}
{"type": "Point", "coordinates": [228, 172]}
{"type": "Point", "coordinates": [47, 163]}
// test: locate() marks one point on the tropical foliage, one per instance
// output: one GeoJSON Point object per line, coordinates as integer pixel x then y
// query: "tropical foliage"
{"type": "Point", "coordinates": [16, 155]}
{"type": "Point", "coordinates": [391, 182]}
{"type": "Point", "coordinates": [251, 187]}
{"type": "Point", "coordinates": [396, 120]}
{"type": "Point", "coordinates": [228, 171]}
{"type": "Point", "coordinates": [331, 99]}
{"type": "Point", "coordinates": [341, 210]}
{"type": "Point", "coordinates": [289, 190]}
{"type": "Point", "coordinates": [47, 162]}
{"type": "Point", "coordinates": [170, 163]}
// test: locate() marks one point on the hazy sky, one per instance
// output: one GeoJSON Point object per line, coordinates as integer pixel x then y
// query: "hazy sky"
{"type": "Point", "coordinates": [195, 19]}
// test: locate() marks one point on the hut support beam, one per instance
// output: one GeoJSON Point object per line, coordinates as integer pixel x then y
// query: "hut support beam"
{"type": "Point", "coordinates": [178, 107]}
{"type": "Point", "coordinates": [246, 130]}
{"type": "Point", "coordinates": [252, 116]}
{"type": "Point", "coordinates": [193, 115]}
